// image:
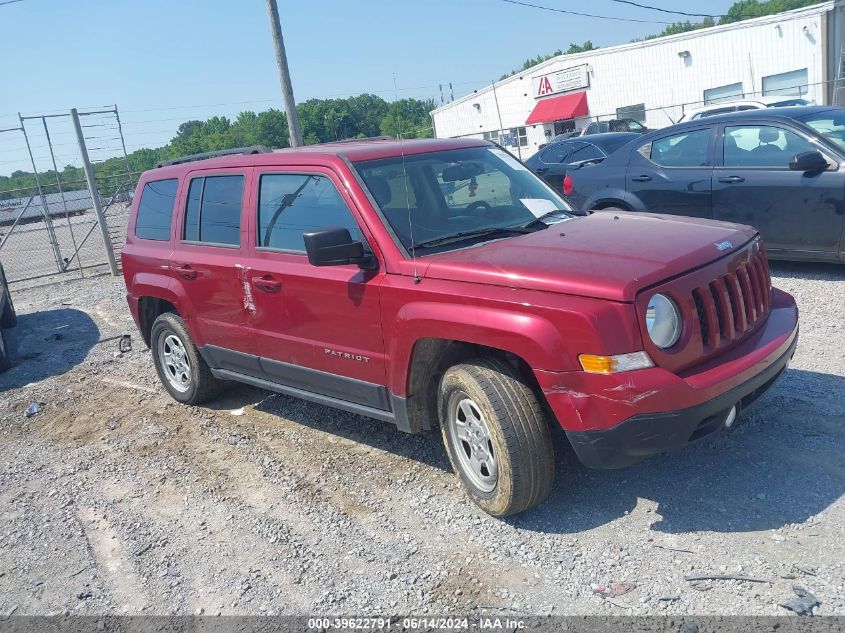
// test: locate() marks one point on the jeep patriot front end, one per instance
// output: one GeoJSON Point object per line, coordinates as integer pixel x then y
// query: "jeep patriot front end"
{"type": "Point", "coordinates": [440, 284]}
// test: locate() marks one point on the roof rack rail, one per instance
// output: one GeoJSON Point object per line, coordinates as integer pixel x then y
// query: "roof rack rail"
{"type": "Point", "coordinates": [254, 149]}
{"type": "Point", "coordinates": [363, 138]}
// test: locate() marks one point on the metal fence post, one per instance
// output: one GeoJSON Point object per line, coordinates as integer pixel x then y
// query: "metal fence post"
{"type": "Point", "coordinates": [51, 234]}
{"type": "Point", "coordinates": [95, 193]}
{"type": "Point", "coordinates": [123, 144]}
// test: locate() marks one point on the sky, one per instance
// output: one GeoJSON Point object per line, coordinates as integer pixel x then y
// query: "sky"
{"type": "Point", "coordinates": [163, 62]}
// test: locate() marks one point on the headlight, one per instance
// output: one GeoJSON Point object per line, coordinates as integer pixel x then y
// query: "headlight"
{"type": "Point", "coordinates": [663, 321]}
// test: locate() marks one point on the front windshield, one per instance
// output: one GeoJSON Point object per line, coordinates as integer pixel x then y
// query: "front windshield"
{"type": "Point", "coordinates": [433, 196]}
{"type": "Point", "coordinates": [830, 124]}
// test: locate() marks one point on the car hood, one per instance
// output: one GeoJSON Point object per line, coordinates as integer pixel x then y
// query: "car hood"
{"type": "Point", "coordinates": [607, 255]}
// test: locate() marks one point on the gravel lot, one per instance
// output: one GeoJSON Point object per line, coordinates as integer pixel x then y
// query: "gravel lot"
{"type": "Point", "coordinates": [115, 499]}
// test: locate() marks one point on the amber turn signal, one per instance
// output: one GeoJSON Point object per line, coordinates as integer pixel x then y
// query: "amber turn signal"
{"type": "Point", "coordinates": [612, 364]}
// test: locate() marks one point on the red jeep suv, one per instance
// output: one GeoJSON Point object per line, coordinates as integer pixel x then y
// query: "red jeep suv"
{"type": "Point", "coordinates": [439, 283]}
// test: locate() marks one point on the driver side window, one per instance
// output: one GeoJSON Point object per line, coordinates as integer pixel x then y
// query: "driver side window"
{"type": "Point", "coordinates": [762, 146]}
{"type": "Point", "coordinates": [292, 204]}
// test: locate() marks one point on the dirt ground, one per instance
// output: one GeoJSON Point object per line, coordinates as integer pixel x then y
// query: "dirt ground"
{"type": "Point", "coordinates": [115, 499]}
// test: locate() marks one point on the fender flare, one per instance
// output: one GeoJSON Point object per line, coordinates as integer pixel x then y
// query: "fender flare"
{"type": "Point", "coordinates": [612, 194]}
{"type": "Point", "coordinates": [529, 336]}
{"type": "Point", "coordinates": [155, 285]}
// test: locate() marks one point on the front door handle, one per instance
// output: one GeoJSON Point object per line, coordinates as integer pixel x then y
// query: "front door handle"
{"type": "Point", "coordinates": [642, 178]}
{"type": "Point", "coordinates": [185, 272]}
{"type": "Point", "coordinates": [731, 179]}
{"type": "Point", "coordinates": [267, 283]}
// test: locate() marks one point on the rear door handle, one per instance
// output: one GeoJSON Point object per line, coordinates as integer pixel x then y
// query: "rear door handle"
{"type": "Point", "coordinates": [732, 179]}
{"type": "Point", "coordinates": [642, 178]}
{"type": "Point", "coordinates": [540, 170]}
{"type": "Point", "coordinates": [185, 272]}
{"type": "Point", "coordinates": [267, 283]}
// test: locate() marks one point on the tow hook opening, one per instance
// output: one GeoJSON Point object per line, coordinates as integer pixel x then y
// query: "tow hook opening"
{"type": "Point", "coordinates": [731, 417]}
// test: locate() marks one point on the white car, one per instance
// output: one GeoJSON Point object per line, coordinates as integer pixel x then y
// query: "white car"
{"type": "Point", "coordinates": [758, 103]}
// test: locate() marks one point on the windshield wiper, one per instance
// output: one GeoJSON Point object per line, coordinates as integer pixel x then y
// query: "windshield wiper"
{"type": "Point", "coordinates": [462, 235]}
{"type": "Point", "coordinates": [568, 215]}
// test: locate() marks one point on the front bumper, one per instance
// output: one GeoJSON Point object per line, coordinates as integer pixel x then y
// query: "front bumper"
{"type": "Point", "coordinates": [650, 433]}
{"type": "Point", "coordinates": [616, 420]}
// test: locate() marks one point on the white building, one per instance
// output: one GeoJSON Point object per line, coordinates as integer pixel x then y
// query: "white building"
{"type": "Point", "coordinates": [654, 81]}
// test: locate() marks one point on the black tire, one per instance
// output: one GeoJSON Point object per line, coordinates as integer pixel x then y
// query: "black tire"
{"type": "Point", "coordinates": [9, 318]}
{"type": "Point", "coordinates": [199, 384]}
{"type": "Point", "coordinates": [518, 438]}
{"type": "Point", "coordinates": [5, 361]}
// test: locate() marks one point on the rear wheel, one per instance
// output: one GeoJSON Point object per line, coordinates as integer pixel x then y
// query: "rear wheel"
{"type": "Point", "coordinates": [496, 435]}
{"type": "Point", "coordinates": [9, 318]}
{"type": "Point", "coordinates": [181, 369]}
{"type": "Point", "coordinates": [5, 361]}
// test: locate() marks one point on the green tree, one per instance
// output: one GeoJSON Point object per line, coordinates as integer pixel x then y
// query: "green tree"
{"type": "Point", "coordinates": [738, 11]}
{"type": "Point", "coordinates": [408, 118]}
{"type": "Point", "coordinates": [321, 120]}
{"type": "Point", "coordinates": [244, 130]}
{"type": "Point", "coordinates": [367, 111]}
{"type": "Point", "coordinates": [533, 61]}
{"type": "Point", "coordinates": [745, 9]}
{"type": "Point", "coordinates": [683, 27]}
{"type": "Point", "coordinates": [580, 48]}
{"type": "Point", "coordinates": [273, 129]}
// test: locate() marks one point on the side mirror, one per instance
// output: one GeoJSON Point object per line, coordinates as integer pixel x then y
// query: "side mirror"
{"type": "Point", "coordinates": [808, 161]}
{"type": "Point", "coordinates": [333, 246]}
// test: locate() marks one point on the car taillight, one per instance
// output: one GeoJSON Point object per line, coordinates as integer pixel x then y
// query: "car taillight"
{"type": "Point", "coordinates": [568, 184]}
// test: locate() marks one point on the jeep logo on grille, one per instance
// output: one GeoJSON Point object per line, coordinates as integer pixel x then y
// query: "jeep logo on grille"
{"type": "Point", "coordinates": [723, 246]}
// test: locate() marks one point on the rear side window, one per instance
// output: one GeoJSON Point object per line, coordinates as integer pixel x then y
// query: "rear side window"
{"type": "Point", "coordinates": [155, 210]}
{"type": "Point", "coordinates": [213, 213]}
{"type": "Point", "coordinates": [586, 151]}
{"type": "Point", "coordinates": [689, 149]}
{"type": "Point", "coordinates": [557, 153]}
{"type": "Point", "coordinates": [292, 204]}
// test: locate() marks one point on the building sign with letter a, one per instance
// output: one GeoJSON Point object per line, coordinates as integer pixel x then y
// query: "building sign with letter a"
{"type": "Point", "coordinates": [561, 81]}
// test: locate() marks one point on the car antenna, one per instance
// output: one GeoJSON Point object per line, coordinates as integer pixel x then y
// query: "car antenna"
{"type": "Point", "coordinates": [405, 178]}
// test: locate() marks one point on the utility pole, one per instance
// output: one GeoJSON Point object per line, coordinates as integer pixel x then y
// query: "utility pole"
{"type": "Point", "coordinates": [284, 75]}
{"type": "Point", "coordinates": [95, 193]}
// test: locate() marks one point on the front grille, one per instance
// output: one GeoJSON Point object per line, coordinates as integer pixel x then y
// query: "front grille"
{"type": "Point", "coordinates": [734, 303]}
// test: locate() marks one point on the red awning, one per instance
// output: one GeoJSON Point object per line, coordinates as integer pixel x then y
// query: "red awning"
{"type": "Point", "coordinates": [557, 108]}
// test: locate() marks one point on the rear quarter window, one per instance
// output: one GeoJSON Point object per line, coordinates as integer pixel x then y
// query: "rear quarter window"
{"type": "Point", "coordinates": [155, 210]}
{"type": "Point", "coordinates": [213, 212]}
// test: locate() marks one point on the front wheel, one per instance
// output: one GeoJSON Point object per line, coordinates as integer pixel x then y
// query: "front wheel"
{"type": "Point", "coordinates": [496, 435]}
{"type": "Point", "coordinates": [181, 369]}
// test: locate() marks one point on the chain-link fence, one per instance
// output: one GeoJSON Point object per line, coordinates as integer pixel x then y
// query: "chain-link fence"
{"type": "Point", "coordinates": [52, 225]}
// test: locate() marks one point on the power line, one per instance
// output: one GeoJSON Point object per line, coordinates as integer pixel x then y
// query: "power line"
{"type": "Point", "coordinates": [714, 16]}
{"type": "Point", "coordinates": [662, 10]}
{"type": "Point", "coordinates": [586, 15]}
{"type": "Point", "coordinates": [9, 2]}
